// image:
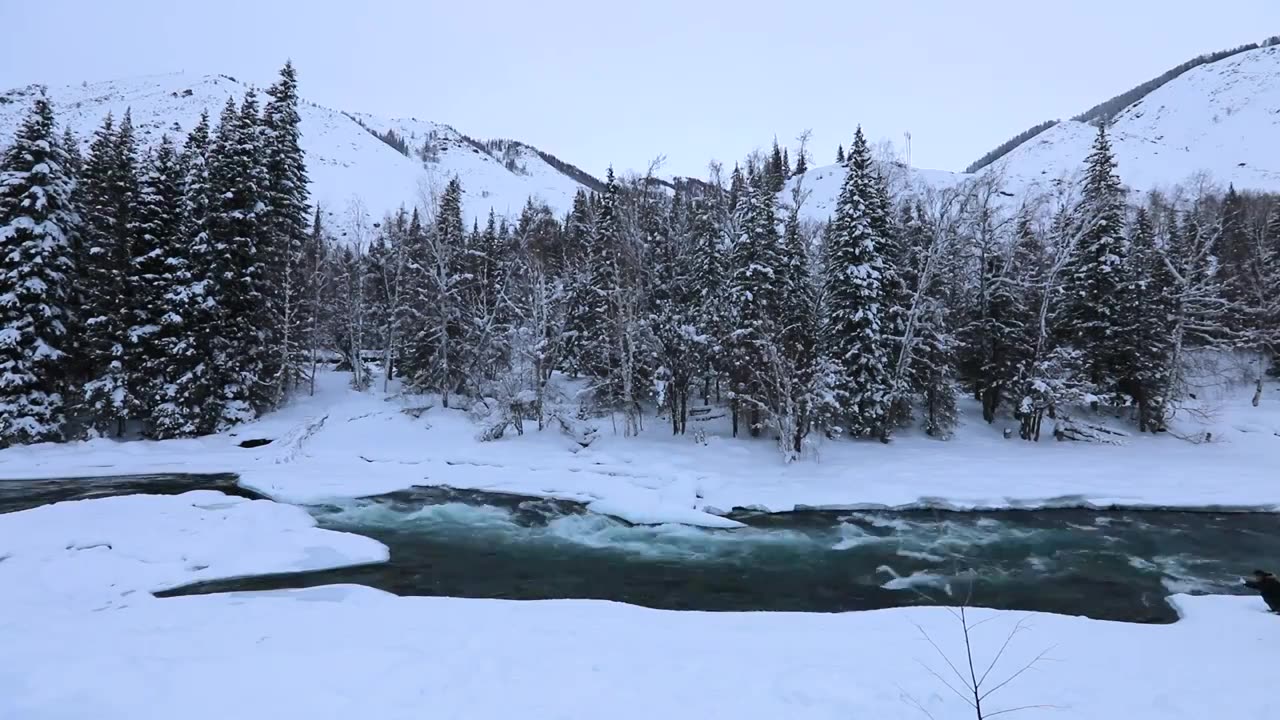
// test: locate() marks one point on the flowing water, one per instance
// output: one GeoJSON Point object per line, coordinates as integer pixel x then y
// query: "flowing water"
{"type": "Point", "coordinates": [1116, 565]}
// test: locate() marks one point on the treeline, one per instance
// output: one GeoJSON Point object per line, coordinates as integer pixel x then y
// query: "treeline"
{"type": "Point", "coordinates": [183, 290]}
{"type": "Point", "coordinates": [158, 291]}
{"type": "Point", "coordinates": [719, 294]}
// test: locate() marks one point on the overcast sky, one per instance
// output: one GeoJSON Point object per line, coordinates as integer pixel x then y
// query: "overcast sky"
{"type": "Point", "coordinates": [605, 82]}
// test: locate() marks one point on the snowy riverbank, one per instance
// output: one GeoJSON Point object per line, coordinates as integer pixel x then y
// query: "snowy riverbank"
{"type": "Point", "coordinates": [83, 640]}
{"type": "Point", "coordinates": [342, 444]}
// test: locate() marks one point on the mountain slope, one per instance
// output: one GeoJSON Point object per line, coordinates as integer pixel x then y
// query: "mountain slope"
{"type": "Point", "coordinates": [1222, 118]}
{"type": "Point", "coordinates": [345, 160]}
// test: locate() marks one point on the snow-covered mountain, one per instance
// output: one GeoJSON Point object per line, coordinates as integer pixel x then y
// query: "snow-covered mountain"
{"type": "Point", "coordinates": [345, 160]}
{"type": "Point", "coordinates": [1221, 118]}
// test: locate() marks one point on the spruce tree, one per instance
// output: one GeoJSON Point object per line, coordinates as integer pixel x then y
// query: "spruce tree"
{"type": "Point", "coordinates": [1098, 272]}
{"type": "Point", "coordinates": [580, 322]}
{"type": "Point", "coordinates": [110, 198]}
{"type": "Point", "coordinates": [192, 400]}
{"type": "Point", "coordinates": [854, 340]}
{"type": "Point", "coordinates": [708, 275]}
{"type": "Point", "coordinates": [757, 291]}
{"type": "Point", "coordinates": [158, 273]}
{"type": "Point", "coordinates": [37, 222]}
{"type": "Point", "coordinates": [285, 228]}
{"type": "Point", "coordinates": [235, 234]}
{"type": "Point", "coordinates": [1146, 311]}
{"type": "Point", "coordinates": [840, 154]}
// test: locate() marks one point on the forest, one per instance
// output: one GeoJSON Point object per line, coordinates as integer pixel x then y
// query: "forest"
{"type": "Point", "coordinates": [179, 290]}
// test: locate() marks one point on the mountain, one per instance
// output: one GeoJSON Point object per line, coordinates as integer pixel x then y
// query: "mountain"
{"type": "Point", "coordinates": [1220, 117]}
{"type": "Point", "coordinates": [345, 159]}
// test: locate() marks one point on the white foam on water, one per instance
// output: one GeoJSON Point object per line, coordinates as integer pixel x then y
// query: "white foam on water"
{"type": "Point", "coordinates": [452, 513]}
{"type": "Point", "coordinates": [1039, 563]}
{"type": "Point", "coordinates": [919, 579]}
{"type": "Point", "coordinates": [852, 536]}
{"type": "Point", "coordinates": [917, 555]}
{"type": "Point", "coordinates": [1141, 564]}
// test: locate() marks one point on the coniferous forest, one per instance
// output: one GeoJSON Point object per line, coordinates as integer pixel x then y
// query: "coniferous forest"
{"type": "Point", "coordinates": [178, 290]}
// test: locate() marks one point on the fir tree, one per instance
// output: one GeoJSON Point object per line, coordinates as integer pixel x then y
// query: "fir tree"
{"type": "Point", "coordinates": [757, 291]}
{"type": "Point", "coordinates": [581, 322]}
{"type": "Point", "coordinates": [285, 231]}
{"type": "Point", "coordinates": [192, 394]}
{"type": "Point", "coordinates": [109, 196]}
{"type": "Point", "coordinates": [840, 154]}
{"type": "Point", "coordinates": [854, 340]}
{"type": "Point", "coordinates": [37, 222]}
{"type": "Point", "coordinates": [708, 275]}
{"type": "Point", "coordinates": [1146, 311]}
{"type": "Point", "coordinates": [235, 235]}
{"type": "Point", "coordinates": [1097, 275]}
{"type": "Point", "coordinates": [158, 270]}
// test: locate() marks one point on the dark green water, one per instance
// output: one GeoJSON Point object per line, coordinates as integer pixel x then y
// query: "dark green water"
{"type": "Point", "coordinates": [18, 495]}
{"type": "Point", "coordinates": [1117, 565]}
{"type": "Point", "coordinates": [1112, 565]}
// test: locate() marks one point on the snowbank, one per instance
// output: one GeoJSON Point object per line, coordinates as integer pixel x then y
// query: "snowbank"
{"type": "Point", "coordinates": [342, 444]}
{"type": "Point", "coordinates": [111, 552]}
{"type": "Point", "coordinates": [348, 651]}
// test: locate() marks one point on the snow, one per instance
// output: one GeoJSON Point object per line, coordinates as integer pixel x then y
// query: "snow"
{"type": "Point", "coordinates": [1214, 119]}
{"type": "Point", "coordinates": [349, 651]}
{"type": "Point", "coordinates": [342, 444]}
{"type": "Point", "coordinates": [83, 638]}
{"type": "Point", "coordinates": [109, 552]}
{"type": "Point", "coordinates": [347, 165]}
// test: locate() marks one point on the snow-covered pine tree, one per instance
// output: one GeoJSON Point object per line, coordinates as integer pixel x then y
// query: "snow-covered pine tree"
{"type": "Point", "coordinates": [598, 341]}
{"type": "Point", "coordinates": [105, 264]}
{"type": "Point", "coordinates": [580, 321]}
{"type": "Point", "coordinates": [37, 269]}
{"type": "Point", "coordinates": [674, 298]}
{"type": "Point", "coordinates": [840, 154]}
{"type": "Point", "coordinates": [236, 179]}
{"type": "Point", "coordinates": [708, 275]}
{"type": "Point", "coordinates": [853, 339]}
{"type": "Point", "coordinates": [284, 234]}
{"type": "Point", "coordinates": [1097, 275]}
{"type": "Point", "coordinates": [433, 353]}
{"type": "Point", "coordinates": [192, 390]}
{"type": "Point", "coordinates": [1146, 309]}
{"type": "Point", "coordinates": [757, 291]}
{"type": "Point", "coordinates": [316, 311]}
{"type": "Point", "coordinates": [897, 299]}
{"type": "Point", "coordinates": [774, 171]}
{"type": "Point", "coordinates": [801, 385]}
{"type": "Point", "coordinates": [158, 270]}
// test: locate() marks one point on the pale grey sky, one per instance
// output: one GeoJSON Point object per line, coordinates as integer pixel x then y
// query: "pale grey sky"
{"type": "Point", "coordinates": [620, 82]}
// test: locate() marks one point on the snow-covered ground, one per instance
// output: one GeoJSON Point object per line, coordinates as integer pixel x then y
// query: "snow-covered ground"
{"type": "Point", "coordinates": [82, 636]}
{"type": "Point", "coordinates": [342, 443]}
{"type": "Point", "coordinates": [101, 554]}
{"type": "Point", "coordinates": [354, 652]}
